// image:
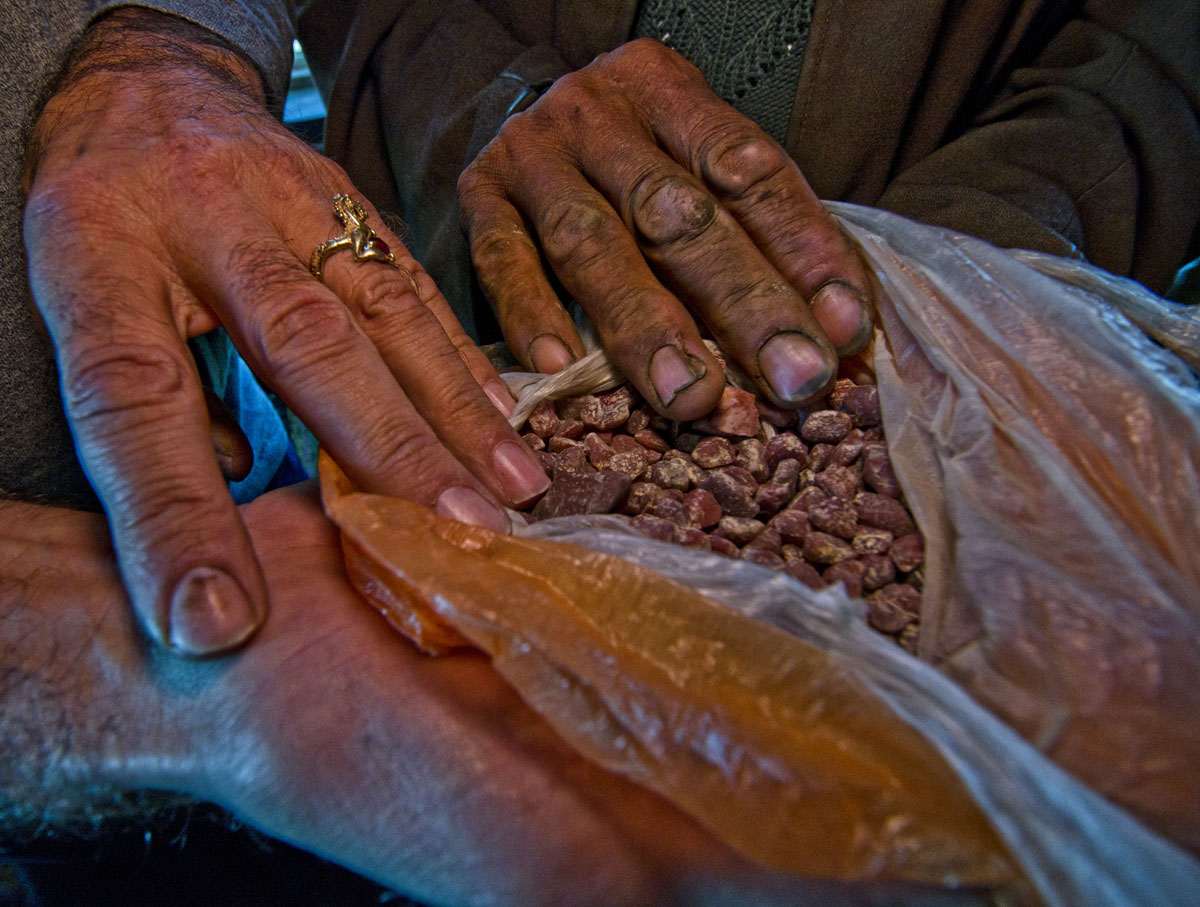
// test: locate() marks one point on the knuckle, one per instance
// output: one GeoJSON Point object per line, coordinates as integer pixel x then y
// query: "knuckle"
{"type": "Point", "coordinates": [61, 207]}
{"type": "Point", "coordinates": [261, 265]}
{"type": "Point", "coordinates": [164, 505]}
{"type": "Point", "coordinates": [742, 166]}
{"type": "Point", "coordinates": [501, 254]}
{"type": "Point", "coordinates": [383, 295]}
{"type": "Point", "coordinates": [297, 332]}
{"type": "Point", "coordinates": [401, 451]}
{"type": "Point", "coordinates": [741, 295]}
{"type": "Point", "coordinates": [629, 311]}
{"type": "Point", "coordinates": [578, 232]}
{"type": "Point", "coordinates": [668, 208]}
{"type": "Point", "coordinates": [102, 379]}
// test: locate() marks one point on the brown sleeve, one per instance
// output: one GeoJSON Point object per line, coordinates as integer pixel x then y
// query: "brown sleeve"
{"type": "Point", "coordinates": [1091, 146]}
{"type": "Point", "coordinates": [415, 89]}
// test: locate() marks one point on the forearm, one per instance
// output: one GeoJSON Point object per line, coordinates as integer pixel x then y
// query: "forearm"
{"type": "Point", "coordinates": [260, 30]}
{"type": "Point", "coordinates": [79, 724]}
{"type": "Point", "coordinates": [126, 68]}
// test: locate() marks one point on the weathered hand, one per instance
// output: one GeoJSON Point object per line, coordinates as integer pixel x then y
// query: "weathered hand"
{"type": "Point", "coordinates": [649, 196]}
{"type": "Point", "coordinates": [165, 201]}
{"type": "Point", "coordinates": [332, 732]}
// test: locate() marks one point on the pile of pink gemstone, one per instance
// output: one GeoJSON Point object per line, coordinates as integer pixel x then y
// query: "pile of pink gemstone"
{"type": "Point", "coordinates": [812, 495]}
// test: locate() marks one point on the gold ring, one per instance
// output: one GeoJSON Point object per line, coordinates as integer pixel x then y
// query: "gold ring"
{"type": "Point", "coordinates": [356, 236]}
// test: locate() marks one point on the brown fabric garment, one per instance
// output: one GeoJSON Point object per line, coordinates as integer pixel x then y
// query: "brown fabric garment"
{"type": "Point", "coordinates": [1069, 127]}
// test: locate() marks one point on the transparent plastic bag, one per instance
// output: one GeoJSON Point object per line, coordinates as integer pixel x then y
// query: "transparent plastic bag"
{"type": "Point", "coordinates": [1048, 443]}
{"type": "Point", "coordinates": [1050, 451]}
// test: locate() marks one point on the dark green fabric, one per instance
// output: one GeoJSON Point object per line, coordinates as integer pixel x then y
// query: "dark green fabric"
{"type": "Point", "coordinates": [750, 51]}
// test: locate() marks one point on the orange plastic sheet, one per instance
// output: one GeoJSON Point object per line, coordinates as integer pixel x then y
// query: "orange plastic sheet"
{"type": "Point", "coordinates": [764, 738]}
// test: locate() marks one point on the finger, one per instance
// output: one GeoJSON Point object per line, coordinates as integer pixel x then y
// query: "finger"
{"type": "Point", "coordinates": [701, 251]}
{"type": "Point", "coordinates": [509, 268]}
{"type": "Point", "coordinates": [649, 335]}
{"type": "Point", "coordinates": [763, 188]}
{"type": "Point", "coordinates": [235, 456]}
{"type": "Point", "coordinates": [435, 374]}
{"type": "Point", "coordinates": [473, 357]}
{"type": "Point", "coordinates": [303, 339]}
{"type": "Point", "coordinates": [140, 423]}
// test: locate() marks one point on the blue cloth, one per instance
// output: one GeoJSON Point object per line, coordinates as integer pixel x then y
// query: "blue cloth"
{"type": "Point", "coordinates": [276, 460]}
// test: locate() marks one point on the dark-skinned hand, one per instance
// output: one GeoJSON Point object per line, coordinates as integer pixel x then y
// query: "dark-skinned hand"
{"type": "Point", "coordinates": [655, 204]}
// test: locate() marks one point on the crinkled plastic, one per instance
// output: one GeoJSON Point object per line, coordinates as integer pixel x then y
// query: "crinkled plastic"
{"type": "Point", "coordinates": [1051, 454]}
{"type": "Point", "coordinates": [773, 743]}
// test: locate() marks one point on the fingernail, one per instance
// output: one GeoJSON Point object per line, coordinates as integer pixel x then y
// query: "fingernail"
{"type": "Point", "coordinates": [498, 393]}
{"type": "Point", "coordinates": [468, 506]}
{"type": "Point", "coordinates": [794, 367]}
{"type": "Point", "coordinates": [841, 313]}
{"type": "Point", "coordinates": [671, 373]}
{"type": "Point", "coordinates": [209, 613]}
{"type": "Point", "coordinates": [520, 475]}
{"type": "Point", "coordinates": [549, 354]}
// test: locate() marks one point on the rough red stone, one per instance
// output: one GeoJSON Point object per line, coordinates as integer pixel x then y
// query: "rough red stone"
{"type": "Point", "coordinates": [878, 571]}
{"type": "Point", "coordinates": [571, 461]}
{"type": "Point", "coordinates": [792, 526]}
{"type": "Point", "coordinates": [862, 404]}
{"type": "Point", "coordinates": [893, 607]}
{"type": "Point", "coordinates": [735, 414]}
{"type": "Point", "coordinates": [655, 527]}
{"type": "Point", "coordinates": [823, 548]}
{"type": "Point", "coordinates": [573, 494]}
{"type": "Point", "coordinates": [630, 462]}
{"type": "Point", "coordinates": [651, 440]}
{"type": "Point", "coordinates": [908, 552]}
{"type": "Point", "coordinates": [883, 513]}
{"type": "Point", "coordinates": [877, 470]}
{"type": "Point", "coordinates": [713, 452]}
{"type": "Point", "coordinates": [735, 498]}
{"type": "Point", "coordinates": [825, 426]}
{"type": "Point", "coordinates": [849, 573]}
{"type": "Point", "coordinates": [703, 508]}
{"type": "Point", "coordinates": [749, 454]}
{"type": "Point", "coordinates": [805, 573]}
{"type": "Point", "coordinates": [834, 516]}
{"type": "Point", "coordinates": [840, 482]}
{"type": "Point", "coordinates": [771, 498]}
{"type": "Point", "coordinates": [871, 541]}
{"type": "Point", "coordinates": [739, 530]}
{"type": "Point", "coordinates": [785, 446]}
{"type": "Point", "coordinates": [670, 473]}
{"type": "Point", "coordinates": [848, 449]}
{"type": "Point", "coordinates": [763, 558]}
{"type": "Point", "coordinates": [543, 420]}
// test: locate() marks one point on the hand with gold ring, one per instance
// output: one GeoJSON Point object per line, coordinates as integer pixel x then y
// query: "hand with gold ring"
{"type": "Point", "coordinates": [163, 206]}
{"type": "Point", "coordinates": [357, 237]}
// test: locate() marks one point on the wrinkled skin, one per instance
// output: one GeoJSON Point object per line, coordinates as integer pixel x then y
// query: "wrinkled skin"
{"type": "Point", "coordinates": [164, 200]}
{"type": "Point", "coordinates": [332, 732]}
{"type": "Point", "coordinates": [654, 203]}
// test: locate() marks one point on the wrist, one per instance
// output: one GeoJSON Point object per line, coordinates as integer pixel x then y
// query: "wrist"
{"type": "Point", "coordinates": [82, 718]}
{"type": "Point", "coordinates": [140, 69]}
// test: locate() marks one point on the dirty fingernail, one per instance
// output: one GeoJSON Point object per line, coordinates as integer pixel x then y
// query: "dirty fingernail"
{"type": "Point", "coordinates": [549, 354]}
{"type": "Point", "coordinates": [842, 314]}
{"type": "Point", "coordinates": [468, 506]}
{"type": "Point", "coordinates": [209, 613]}
{"type": "Point", "coordinates": [497, 392]}
{"type": "Point", "coordinates": [520, 475]}
{"type": "Point", "coordinates": [794, 367]}
{"type": "Point", "coordinates": [671, 373]}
